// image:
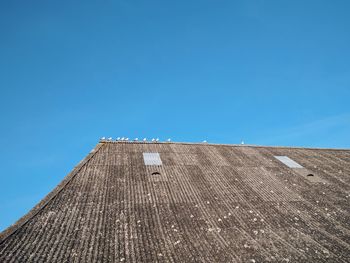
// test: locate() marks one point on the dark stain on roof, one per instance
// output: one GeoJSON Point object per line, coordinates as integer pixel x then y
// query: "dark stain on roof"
{"type": "Point", "coordinates": [205, 203]}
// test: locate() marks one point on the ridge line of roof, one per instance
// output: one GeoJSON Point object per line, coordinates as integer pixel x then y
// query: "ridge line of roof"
{"type": "Point", "coordinates": [226, 144]}
{"type": "Point", "coordinates": [38, 207]}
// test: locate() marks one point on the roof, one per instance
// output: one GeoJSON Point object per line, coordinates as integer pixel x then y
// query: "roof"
{"type": "Point", "coordinates": [209, 203]}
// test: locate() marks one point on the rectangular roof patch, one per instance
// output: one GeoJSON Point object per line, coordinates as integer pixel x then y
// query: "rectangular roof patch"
{"type": "Point", "coordinates": [152, 159]}
{"type": "Point", "coordinates": [289, 162]}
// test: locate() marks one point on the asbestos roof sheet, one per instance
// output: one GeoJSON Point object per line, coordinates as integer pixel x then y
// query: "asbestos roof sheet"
{"type": "Point", "coordinates": [204, 203]}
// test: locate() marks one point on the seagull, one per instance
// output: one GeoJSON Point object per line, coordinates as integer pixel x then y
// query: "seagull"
{"type": "Point", "coordinates": [126, 139]}
{"type": "Point", "coordinates": [169, 140]}
{"type": "Point", "coordinates": [144, 139]}
{"type": "Point", "coordinates": [110, 138]}
{"type": "Point", "coordinates": [153, 140]}
{"type": "Point", "coordinates": [103, 138]}
{"type": "Point", "coordinates": [118, 138]}
{"type": "Point", "coordinates": [136, 139]}
{"type": "Point", "coordinates": [157, 139]}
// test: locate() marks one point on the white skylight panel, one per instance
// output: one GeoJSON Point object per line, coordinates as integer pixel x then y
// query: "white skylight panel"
{"type": "Point", "coordinates": [289, 162]}
{"type": "Point", "coordinates": [152, 159]}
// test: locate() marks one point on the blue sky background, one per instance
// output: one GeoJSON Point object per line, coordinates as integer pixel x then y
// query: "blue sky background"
{"type": "Point", "coordinates": [268, 72]}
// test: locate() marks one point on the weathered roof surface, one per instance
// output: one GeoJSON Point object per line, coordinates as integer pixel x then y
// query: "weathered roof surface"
{"type": "Point", "coordinates": [207, 203]}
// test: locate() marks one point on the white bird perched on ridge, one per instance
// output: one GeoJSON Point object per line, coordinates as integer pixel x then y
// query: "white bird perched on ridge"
{"type": "Point", "coordinates": [110, 138]}
{"type": "Point", "coordinates": [153, 139]}
{"type": "Point", "coordinates": [157, 140]}
{"type": "Point", "coordinates": [103, 138]}
{"type": "Point", "coordinates": [118, 138]}
{"type": "Point", "coordinates": [144, 139]}
{"type": "Point", "coordinates": [136, 139]}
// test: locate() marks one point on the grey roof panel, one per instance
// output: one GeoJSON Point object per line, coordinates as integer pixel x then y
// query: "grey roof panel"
{"type": "Point", "coordinates": [289, 162]}
{"type": "Point", "coordinates": [152, 159]}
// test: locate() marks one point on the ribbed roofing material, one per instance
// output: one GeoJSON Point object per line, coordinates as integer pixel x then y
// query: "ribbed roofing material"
{"type": "Point", "coordinates": [205, 203]}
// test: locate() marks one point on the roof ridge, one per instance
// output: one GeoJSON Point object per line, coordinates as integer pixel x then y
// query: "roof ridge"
{"type": "Point", "coordinates": [36, 209]}
{"type": "Point", "coordinates": [226, 144]}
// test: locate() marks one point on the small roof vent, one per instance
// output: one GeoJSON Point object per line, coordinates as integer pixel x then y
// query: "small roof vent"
{"type": "Point", "coordinates": [289, 162]}
{"type": "Point", "coordinates": [152, 159]}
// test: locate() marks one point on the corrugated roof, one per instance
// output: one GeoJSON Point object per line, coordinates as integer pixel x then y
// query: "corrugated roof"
{"type": "Point", "coordinates": [210, 203]}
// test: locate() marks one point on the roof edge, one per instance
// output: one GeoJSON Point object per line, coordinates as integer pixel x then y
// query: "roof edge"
{"type": "Point", "coordinates": [37, 208]}
{"type": "Point", "coordinates": [226, 144]}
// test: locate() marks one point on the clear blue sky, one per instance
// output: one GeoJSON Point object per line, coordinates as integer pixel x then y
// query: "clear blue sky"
{"type": "Point", "coordinates": [268, 72]}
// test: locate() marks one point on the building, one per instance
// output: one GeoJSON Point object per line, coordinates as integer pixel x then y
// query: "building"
{"type": "Point", "coordinates": [186, 202]}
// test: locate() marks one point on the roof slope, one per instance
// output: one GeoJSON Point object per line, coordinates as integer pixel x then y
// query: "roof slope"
{"type": "Point", "coordinates": [208, 203]}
